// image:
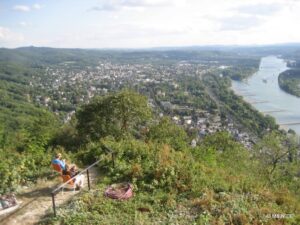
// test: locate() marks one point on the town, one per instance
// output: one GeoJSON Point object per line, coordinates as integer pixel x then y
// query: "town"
{"type": "Point", "coordinates": [175, 90]}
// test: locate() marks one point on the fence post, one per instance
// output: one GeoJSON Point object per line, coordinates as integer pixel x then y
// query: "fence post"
{"type": "Point", "coordinates": [88, 178]}
{"type": "Point", "coordinates": [53, 203]}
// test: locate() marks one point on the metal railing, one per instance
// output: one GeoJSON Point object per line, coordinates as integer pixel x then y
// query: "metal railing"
{"type": "Point", "coordinates": [86, 170]}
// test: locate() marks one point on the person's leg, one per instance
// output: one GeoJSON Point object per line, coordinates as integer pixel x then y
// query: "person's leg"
{"type": "Point", "coordinates": [79, 181]}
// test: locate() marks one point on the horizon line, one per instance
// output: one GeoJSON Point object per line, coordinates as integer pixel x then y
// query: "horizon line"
{"type": "Point", "coordinates": [165, 47]}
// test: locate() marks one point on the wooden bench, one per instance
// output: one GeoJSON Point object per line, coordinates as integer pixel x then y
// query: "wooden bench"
{"type": "Point", "coordinates": [57, 168]}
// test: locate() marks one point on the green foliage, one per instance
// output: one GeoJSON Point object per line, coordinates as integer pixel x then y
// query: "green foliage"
{"type": "Point", "coordinates": [240, 72]}
{"type": "Point", "coordinates": [150, 165]}
{"type": "Point", "coordinates": [271, 151]}
{"type": "Point", "coordinates": [144, 208]}
{"type": "Point", "coordinates": [169, 133]}
{"type": "Point", "coordinates": [221, 150]}
{"type": "Point", "coordinates": [289, 81]}
{"type": "Point", "coordinates": [20, 169]}
{"type": "Point", "coordinates": [217, 182]}
{"type": "Point", "coordinates": [67, 136]}
{"type": "Point", "coordinates": [197, 98]}
{"type": "Point", "coordinates": [20, 119]}
{"type": "Point", "coordinates": [241, 111]}
{"type": "Point", "coordinates": [221, 141]}
{"type": "Point", "coordinates": [25, 130]}
{"type": "Point", "coordinates": [115, 114]}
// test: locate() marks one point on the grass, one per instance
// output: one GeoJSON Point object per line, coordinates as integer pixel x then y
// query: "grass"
{"type": "Point", "coordinates": [159, 207]}
{"type": "Point", "coordinates": [198, 186]}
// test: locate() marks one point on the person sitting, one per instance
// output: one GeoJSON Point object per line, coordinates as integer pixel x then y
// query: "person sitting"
{"type": "Point", "coordinates": [58, 160]}
{"type": "Point", "coordinates": [72, 172]}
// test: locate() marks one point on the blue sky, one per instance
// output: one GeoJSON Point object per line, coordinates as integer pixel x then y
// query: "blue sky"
{"type": "Point", "coordinates": [147, 23]}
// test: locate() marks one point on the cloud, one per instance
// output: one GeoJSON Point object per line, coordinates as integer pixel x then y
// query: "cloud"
{"type": "Point", "coordinates": [239, 22]}
{"type": "Point", "coordinates": [145, 3]}
{"type": "Point", "coordinates": [37, 6]}
{"type": "Point", "coordinates": [104, 7]}
{"type": "Point", "coordinates": [23, 24]}
{"type": "Point", "coordinates": [22, 8]}
{"type": "Point", "coordinates": [114, 5]}
{"type": "Point", "coordinates": [26, 8]}
{"type": "Point", "coordinates": [7, 36]}
{"type": "Point", "coordinates": [247, 16]}
{"type": "Point", "coordinates": [144, 23]}
{"type": "Point", "coordinates": [259, 9]}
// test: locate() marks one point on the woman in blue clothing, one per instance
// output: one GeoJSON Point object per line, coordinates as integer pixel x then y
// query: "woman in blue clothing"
{"type": "Point", "coordinates": [58, 160]}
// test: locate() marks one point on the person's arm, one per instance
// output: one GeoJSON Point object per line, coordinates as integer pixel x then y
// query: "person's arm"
{"type": "Point", "coordinates": [62, 164]}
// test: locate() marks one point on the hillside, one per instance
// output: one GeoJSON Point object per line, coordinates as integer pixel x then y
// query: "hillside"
{"type": "Point", "coordinates": [173, 122]}
{"type": "Point", "coordinates": [25, 128]}
{"type": "Point", "coordinates": [175, 183]}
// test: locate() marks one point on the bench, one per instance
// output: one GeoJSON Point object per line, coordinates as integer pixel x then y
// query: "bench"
{"type": "Point", "coordinates": [57, 168]}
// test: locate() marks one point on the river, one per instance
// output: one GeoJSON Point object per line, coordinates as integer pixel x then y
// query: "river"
{"type": "Point", "coordinates": [263, 92]}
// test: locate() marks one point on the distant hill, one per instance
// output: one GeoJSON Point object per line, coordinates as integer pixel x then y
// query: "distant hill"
{"type": "Point", "coordinates": [38, 56]}
{"type": "Point", "coordinates": [17, 111]}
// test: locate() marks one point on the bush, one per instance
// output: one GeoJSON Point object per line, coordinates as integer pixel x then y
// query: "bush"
{"type": "Point", "coordinates": [20, 169]}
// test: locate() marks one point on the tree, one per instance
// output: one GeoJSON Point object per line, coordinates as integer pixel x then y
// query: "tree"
{"type": "Point", "coordinates": [220, 141]}
{"type": "Point", "coordinates": [293, 145]}
{"type": "Point", "coordinates": [221, 149]}
{"type": "Point", "coordinates": [115, 114]}
{"type": "Point", "coordinates": [168, 133]}
{"type": "Point", "coordinates": [67, 136]}
{"type": "Point", "coordinates": [271, 151]}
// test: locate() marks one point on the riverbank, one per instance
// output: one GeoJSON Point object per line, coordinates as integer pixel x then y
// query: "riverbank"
{"type": "Point", "coordinates": [289, 81]}
{"type": "Point", "coordinates": [262, 91]}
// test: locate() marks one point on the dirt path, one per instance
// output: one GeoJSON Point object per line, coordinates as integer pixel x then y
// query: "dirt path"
{"type": "Point", "coordinates": [37, 202]}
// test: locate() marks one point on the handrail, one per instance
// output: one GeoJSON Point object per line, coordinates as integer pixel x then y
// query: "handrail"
{"type": "Point", "coordinates": [54, 192]}
{"type": "Point", "coordinates": [73, 178]}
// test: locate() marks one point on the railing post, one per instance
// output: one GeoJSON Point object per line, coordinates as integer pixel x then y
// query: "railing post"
{"type": "Point", "coordinates": [54, 192]}
{"type": "Point", "coordinates": [88, 178]}
{"type": "Point", "coordinates": [53, 203]}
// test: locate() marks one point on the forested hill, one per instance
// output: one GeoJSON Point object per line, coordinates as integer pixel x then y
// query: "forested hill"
{"type": "Point", "coordinates": [37, 56]}
{"type": "Point", "coordinates": [289, 81]}
{"type": "Point", "coordinates": [25, 128]}
{"type": "Point", "coordinates": [17, 111]}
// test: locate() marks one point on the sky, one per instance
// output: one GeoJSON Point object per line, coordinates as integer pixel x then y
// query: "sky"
{"type": "Point", "coordinates": [147, 23]}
